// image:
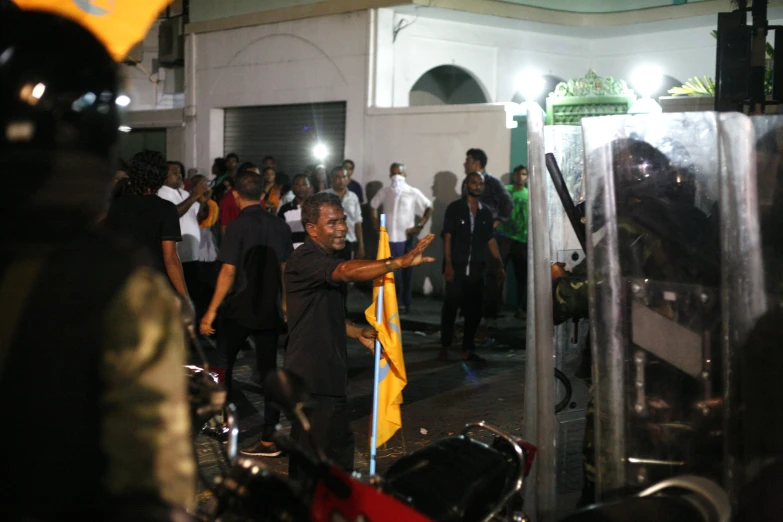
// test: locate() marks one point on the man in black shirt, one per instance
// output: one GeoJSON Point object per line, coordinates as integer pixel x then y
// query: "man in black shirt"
{"type": "Point", "coordinates": [253, 252]}
{"type": "Point", "coordinates": [498, 200]}
{"type": "Point", "coordinates": [315, 284]}
{"type": "Point", "coordinates": [150, 221]}
{"type": "Point", "coordinates": [467, 235]}
{"type": "Point", "coordinates": [291, 212]}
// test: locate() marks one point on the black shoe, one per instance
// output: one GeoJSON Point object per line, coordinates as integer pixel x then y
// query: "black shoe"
{"type": "Point", "coordinates": [218, 432]}
{"type": "Point", "coordinates": [262, 448]}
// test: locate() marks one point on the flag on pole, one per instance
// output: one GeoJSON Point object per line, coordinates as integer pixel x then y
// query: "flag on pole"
{"type": "Point", "coordinates": [392, 366]}
{"type": "Point", "coordinates": [118, 24]}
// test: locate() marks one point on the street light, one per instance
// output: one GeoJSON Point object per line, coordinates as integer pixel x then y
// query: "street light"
{"type": "Point", "coordinates": [320, 152]}
{"type": "Point", "coordinates": [530, 84]}
{"type": "Point", "coordinates": [646, 80]}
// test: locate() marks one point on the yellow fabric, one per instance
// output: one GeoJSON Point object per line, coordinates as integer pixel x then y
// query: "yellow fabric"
{"type": "Point", "coordinates": [393, 377]}
{"type": "Point", "coordinates": [119, 24]}
{"type": "Point", "coordinates": [212, 217]}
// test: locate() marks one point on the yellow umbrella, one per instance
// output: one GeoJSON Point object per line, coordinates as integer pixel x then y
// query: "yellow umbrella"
{"type": "Point", "coordinates": [119, 24]}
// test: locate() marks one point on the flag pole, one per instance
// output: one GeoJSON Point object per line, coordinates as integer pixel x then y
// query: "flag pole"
{"type": "Point", "coordinates": [376, 383]}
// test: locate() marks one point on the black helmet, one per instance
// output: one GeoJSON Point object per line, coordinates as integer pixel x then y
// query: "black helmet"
{"type": "Point", "coordinates": [640, 169]}
{"type": "Point", "coordinates": [58, 117]}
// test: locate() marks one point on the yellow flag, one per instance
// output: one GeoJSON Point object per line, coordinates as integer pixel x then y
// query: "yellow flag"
{"type": "Point", "coordinates": [392, 372]}
{"type": "Point", "coordinates": [118, 24]}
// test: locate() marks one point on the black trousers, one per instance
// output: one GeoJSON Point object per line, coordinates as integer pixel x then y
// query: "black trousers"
{"type": "Point", "coordinates": [464, 292]}
{"type": "Point", "coordinates": [331, 430]}
{"type": "Point", "coordinates": [231, 336]}
{"type": "Point", "coordinates": [517, 251]}
{"type": "Point", "coordinates": [193, 284]}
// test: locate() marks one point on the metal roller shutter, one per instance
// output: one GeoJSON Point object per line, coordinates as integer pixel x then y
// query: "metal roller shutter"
{"type": "Point", "coordinates": [287, 132]}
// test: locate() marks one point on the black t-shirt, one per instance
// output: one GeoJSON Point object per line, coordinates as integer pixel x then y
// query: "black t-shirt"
{"type": "Point", "coordinates": [316, 321]}
{"type": "Point", "coordinates": [147, 220]}
{"type": "Point", "coordinates": [467, 245]}
{"type": "Point", "coordinates": [256, 243]}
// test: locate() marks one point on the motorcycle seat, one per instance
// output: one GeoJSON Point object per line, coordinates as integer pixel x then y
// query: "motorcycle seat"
{"type": "Point", "coordinates": [454, 479]}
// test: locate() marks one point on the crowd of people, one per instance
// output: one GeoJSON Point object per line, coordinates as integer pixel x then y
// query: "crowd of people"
{"type": "Point", "coordinates": [250, 252]}
{"type": "Point", "coordinates": [225, 244]}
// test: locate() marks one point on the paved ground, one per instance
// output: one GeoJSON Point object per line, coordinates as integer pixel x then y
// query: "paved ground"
{"type": "Point", "coordinates": [440, 398]}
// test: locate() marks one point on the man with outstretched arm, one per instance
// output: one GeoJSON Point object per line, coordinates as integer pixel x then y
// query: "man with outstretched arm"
{"type": "Point", "coordinates": [315, 279]}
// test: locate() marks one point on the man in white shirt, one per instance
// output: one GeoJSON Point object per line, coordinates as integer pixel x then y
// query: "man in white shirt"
{"type": "Point", "coordinates": [190, 213]}
{"type": "Point", "coordinates": [401, 204]}
{"type": "Point", "coordinates": [354, 242]}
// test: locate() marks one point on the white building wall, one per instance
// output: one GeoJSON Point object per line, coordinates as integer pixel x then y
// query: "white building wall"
{"type": "Point", "coordinates": [431, 142]}
{"type": "Point", "coordinates": [494, 56]}
{"type": "Point", "coordinates": [304, 61]}
{"type": "Point", "coordinates": [681, 54]}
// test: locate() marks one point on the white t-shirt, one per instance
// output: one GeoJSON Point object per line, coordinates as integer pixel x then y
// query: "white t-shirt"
{"type": "Point", "coordinates": [353, 212]}
{"type": "Point", "coordinates": [191, 234]}
{"type": "Point", "coordinates": [401, 211]}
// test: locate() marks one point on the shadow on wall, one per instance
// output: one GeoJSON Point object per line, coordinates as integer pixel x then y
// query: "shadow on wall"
{"type": "Point", "coordinates": [370, 235]}
{"type": "Point", "coordinates": [429, 278]}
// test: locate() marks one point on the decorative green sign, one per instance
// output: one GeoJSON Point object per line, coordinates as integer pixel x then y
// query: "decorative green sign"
{"type": "Point", "coordinates": [590, 85]}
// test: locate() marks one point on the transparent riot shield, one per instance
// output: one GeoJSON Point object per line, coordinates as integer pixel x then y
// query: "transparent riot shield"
{"type": "Point", "coordinates": [539, 427]}
{"type": "Point", "coordinates": [554, 408]}
{"type": "Point", "coordinates": [760, 365]}
{"type": "Point", "coordinates": [675, 285]}
{"type": "Point", "coordinates": [571, 352]}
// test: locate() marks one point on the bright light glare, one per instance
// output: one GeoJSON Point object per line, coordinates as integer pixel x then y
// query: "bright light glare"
{"type": "Point", "coordinates": [123, 100]}
{"type": "Point", "coordinates": [530, 85]}
{"type": "Point", "coordinates": [647, 80]}
{"type": "Point", "coordinates": [320, 152]}
{"type": "Point", "coordinates": [38, 91]}
{"type": "Point", "coordinates": [124, 128]}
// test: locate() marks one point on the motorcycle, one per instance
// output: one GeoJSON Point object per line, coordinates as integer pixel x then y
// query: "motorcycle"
{"type": "Point", "coordinates": [458, 478]}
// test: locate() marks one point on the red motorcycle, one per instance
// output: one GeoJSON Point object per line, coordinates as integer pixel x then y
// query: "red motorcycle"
{"type": "Point", "coordinates": [456, 479]}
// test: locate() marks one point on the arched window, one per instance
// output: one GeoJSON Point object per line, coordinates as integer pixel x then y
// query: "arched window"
{"type": "Point", "coordinates": [446, 85]}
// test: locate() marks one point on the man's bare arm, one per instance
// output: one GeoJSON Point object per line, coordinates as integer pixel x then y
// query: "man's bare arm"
{"type": "Point", "coordinates": [359, 241]}
{"type": "Point", "coordinates": [366, 336]}
{"type": "Point", "coordinates": [225, 281]}
{"type": "Point", "coordinates": [495, 253]}
{"type": "Point", "coordinates": [198, 190]}
{"type": "Point", "coordinates": [448, 268]}
{"type": "Point", "coordinates": [353, 271]}
{"type": "Point", "coordinates": [375, 223]}
{"type": "Point", "coordinates": [174, 267]}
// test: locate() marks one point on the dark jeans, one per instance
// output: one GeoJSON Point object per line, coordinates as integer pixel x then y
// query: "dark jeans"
{"type": "Point", "coordinates": [403, 279]}
{"type": "Point", "coordinates": [464, 292]}
{"type": "Point", "coordinates": [231, 336]}
{"type": "Point", "coordinates": [193, 284]}
{"type": "Point", "coordinates": [331, 430]}
{"type": "Point", "coordinates": [517, 251]}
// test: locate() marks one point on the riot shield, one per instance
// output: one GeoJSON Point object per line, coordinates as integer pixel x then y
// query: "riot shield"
{"type": "Point", "coordinates": [675, 286]}
{"type": "Point", "coordinates": [539, 420]}
{"type": "Point", "coordinates": [760, 365]}
{"type": "Point", "coordinates": [554, 340]}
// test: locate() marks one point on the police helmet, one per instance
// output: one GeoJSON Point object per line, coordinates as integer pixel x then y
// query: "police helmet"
{"type": "Point", "coordinates": [58, 115]}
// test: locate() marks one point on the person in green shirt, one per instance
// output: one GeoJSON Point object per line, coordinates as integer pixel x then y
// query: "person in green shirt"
{"type": "Point", "coordinates": [512, 236]}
